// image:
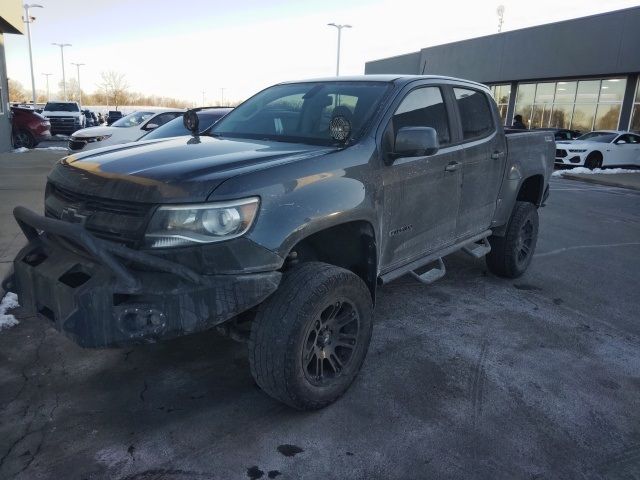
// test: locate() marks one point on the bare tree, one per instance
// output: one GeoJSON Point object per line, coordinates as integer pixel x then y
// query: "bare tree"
{"type": "Point", "coordinates": [115, 87]}
{"type": "Point", "coordinates": [17, 93]}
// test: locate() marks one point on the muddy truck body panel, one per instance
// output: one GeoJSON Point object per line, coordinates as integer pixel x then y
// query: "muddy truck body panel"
{"type": "Point", "coordinates": [157, 239]}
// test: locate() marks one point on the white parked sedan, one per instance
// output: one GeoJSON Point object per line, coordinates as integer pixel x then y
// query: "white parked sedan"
{"type": "Point", "coordinates": [603, 148]}
{"type": "Point", "coordinates": [127, 129]}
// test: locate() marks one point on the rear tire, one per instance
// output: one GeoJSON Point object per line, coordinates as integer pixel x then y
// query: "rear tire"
{"type": "Point", "coordinates": [310, 338]}
{"type": "Point", "coordinates": [23, 138]}
{"type": "Point", "coordinates": [594, 160]}
{"type": "Point", "coordinates": [511, 255]}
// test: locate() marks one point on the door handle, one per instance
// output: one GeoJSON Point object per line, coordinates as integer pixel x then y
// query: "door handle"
{"type": "Point", "coordinates": [497, 155]}
{"type": "Point", "coordinates": [452, 167]}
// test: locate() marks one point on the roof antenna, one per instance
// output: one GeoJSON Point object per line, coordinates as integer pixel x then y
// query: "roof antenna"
{"type": "Point", "coordinates": [500, 13]}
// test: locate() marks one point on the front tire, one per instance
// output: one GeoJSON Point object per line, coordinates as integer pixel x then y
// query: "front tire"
{"type": "Point", "coordinates": [511, 255]}
{"type": "Point", "coordinates": [594, 160]}
{"type": "Point", "coordinates": [23, 138]}
{"type": "Point", "coordinates": [309, 339]}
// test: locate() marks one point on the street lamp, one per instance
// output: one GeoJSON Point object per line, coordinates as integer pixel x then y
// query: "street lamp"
{"type": "Point", "coordinates": [64, 79]}
{"type": "Point", "coordinates": [28, 19]}
{"type": "Point", "coordinates": [47, 75]}
{"type": "Point", "coordinates": [78, 65]}
{"type": "Point", "coordinates": [339, 27]}
{"type": "Point", "coordinates": [222, 96]}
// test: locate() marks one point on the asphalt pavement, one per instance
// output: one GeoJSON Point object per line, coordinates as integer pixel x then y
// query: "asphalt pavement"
{"type": "Point", "coordinates": [471, 377]}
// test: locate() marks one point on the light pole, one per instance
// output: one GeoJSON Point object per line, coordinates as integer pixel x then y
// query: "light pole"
{"type": "Point", "coordinates": [64, 79]}
{"type": "Point", "coordinates": [222, 96]}
{"type": "Point", "coordinates": [203, 92]}
{"type": "Point", "coordinates": [78, 65]}
{"type": "Point", "coordinates": [47, 75]}
{"type": "Point", "coordinates": [500, 13]}
{"type": "Point", "coordinates": [339, 27]}
{"type": "Point", "coordinates": [28, 19]}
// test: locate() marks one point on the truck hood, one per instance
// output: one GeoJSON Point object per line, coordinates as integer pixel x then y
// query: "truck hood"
{"type": "Point", "coordinates": [181, 169]}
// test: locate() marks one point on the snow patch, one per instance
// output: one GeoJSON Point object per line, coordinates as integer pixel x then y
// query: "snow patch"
{"type": "Point", "coordinates": [20, 150]}
{"type": "Point", "coordinates": [586, 171]}
{"type": "Point", "coordinates": [53, 148]}
{"type": "Point", "coordinates": [9, 302]}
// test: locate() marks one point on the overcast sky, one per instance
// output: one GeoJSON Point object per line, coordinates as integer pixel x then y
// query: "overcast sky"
{"type": "Point", "coordinates": [180, 48]}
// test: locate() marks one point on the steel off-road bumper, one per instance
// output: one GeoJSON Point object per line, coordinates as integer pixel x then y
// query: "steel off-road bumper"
{"type": "Point", "coordinates": [102, 294]}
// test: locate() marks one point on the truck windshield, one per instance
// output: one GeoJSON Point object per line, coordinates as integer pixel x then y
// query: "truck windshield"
{"type": "Point", "coordinates": [61, 107]}
{"type": "Point", "coordinates": [132, 120]}
{"type": "Point", "coordinates": [320, 113]}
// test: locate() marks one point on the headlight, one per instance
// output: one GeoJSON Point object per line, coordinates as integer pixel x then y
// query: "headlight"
{"type": "Point", "coordinates": [182, 225]}
{"type": "Point", "coordinates": [578, 151]}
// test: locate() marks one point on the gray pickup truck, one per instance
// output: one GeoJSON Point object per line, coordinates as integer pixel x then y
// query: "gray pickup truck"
{"type": "Point", "coordinates": [277, 224]}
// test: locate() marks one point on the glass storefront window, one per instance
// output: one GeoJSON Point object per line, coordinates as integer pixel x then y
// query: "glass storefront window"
{"type": "Point", "coordinates": [634, 125]}
{"type": "Point", "coordinates": [524, 101]}
{"type": "Point", "coordinates": [540, 116]}
{"type": "Point", "coordinates": [588, 91]}
{"type": "Point", "coordinates": [544, 92]}
{"type": "Point", "coordinates": [607, 116]}
{"type": "Point", "coordinates": [561, 116]}
{"type": "Point", "coordinates": [566, 92]}
{"type": "Point", "coordinates": [612, 90]}
{"type": "Point", "coordinates": [502, 94]}
{"type": "Point", "coordinates": [583, 115]}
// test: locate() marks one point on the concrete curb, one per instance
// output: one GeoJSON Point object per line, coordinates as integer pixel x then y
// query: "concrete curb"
{"type": "Point", "coordinates": [601, 181]}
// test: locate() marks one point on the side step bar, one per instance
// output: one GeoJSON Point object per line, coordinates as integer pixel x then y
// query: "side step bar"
{"type": "Point", "coordinates": [427, 259]}
{"type": "Point", "coordinates": [432, 275]}
{"type": "Point", "coordinates": [478, 249]}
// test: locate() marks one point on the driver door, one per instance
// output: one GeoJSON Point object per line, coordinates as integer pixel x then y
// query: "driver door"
{"type": "Point", "coordinates": [421, 194]}
{"type": "Point", "coordinates": [624, 151]}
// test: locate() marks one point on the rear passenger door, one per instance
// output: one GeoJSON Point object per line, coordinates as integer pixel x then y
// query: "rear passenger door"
{"type": "Point", "coordinates": [483, 160]}
{"type": "Point", "coordinates": [421, 194]}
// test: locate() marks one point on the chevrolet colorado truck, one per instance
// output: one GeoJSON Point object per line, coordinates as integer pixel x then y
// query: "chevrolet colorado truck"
{"type": "Point", "coordinates": [278, 223]}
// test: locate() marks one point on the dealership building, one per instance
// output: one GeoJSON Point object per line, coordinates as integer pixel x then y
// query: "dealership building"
{"type": "Point", "coordinates": [582, 74]}
{"type": "Point", "coordinates": [10, 22]}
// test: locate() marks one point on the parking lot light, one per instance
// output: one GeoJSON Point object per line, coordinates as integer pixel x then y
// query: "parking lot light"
{"type": "Point", "coordinates": [28, 19]}
{"type": "Point", "coordinates": [47, 75]}
{"type": "Point", "coordinates": [78, 65]}
{"type": "Point", "coordinates": [64, 79]}
{"type": "Point", "coordinates": [339, 27]}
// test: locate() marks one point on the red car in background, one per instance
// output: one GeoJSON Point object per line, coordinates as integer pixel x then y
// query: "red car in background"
{"type": "Point", "coordinates": [28, 128]}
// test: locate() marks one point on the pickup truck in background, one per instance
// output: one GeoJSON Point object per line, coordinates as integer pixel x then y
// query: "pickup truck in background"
{"type": "Point", "coordinates": [278, 223]}
{"type": "Point", "coordinates": [65, 117]}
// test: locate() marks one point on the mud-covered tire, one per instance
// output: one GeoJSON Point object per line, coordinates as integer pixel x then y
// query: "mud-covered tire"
{"type": "Point", "coordinates": [511, 255]}
{"type": "Point", "coordinates": [303, 329]}
{"type": "Point", "coordinates": [593, 160]}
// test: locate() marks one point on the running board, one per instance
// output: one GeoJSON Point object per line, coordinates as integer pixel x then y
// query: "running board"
{"type": "Point", "coordinates": [427, 259]}
{"type": "Point", "coordinates": [431, 275]}
{"type": "Point", "coordinates": [478, 249]}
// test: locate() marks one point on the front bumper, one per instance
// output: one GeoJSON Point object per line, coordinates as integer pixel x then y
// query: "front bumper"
{"type": "Point", "coordinates": [103, 294]}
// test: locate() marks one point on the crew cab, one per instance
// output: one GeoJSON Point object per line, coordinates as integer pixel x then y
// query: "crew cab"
{"type": "Point", "coordinates": [127, 129]}
{"type": "Point", "coordinates": [602, 148]}
{"type": "Point", "coordinates": [65, 117]}
{"type": "Point", "coordinates": [278, 223]}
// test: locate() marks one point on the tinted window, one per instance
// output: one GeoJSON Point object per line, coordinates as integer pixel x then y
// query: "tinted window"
{"type": "Point", "coordinates": [61, 107]}
{"type": "Point", "coordinates": [164, 118]}
{"type": "Point", "coordinates": [475, 113]}
{"type": "Point", "coordinates": [423, 107]}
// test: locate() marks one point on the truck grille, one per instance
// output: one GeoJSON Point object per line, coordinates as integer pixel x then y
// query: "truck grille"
{"type": "Point", "coordinates": [118, 221]}
{"type": "Point", "coordinates": [64, 125]}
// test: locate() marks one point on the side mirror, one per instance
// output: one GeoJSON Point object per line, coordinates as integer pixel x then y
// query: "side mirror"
{"type": "Point", "coordinates": [151, 126]}
{"type": "Point", "coordinates": [191, 121]}
{"type": "Point", "coordinates": [416, 142]}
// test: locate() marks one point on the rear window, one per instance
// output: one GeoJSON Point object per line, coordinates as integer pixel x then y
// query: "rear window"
{"type": "Point", "coordinates": [475, 113]}
{"type": "Point", "coordinates": [61, 107]}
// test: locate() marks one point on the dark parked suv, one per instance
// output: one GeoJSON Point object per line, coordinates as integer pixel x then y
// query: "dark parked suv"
{"type": "Point", "coordinates": [278, 223]}
{"type": "Point", "coordinates": [28, 128]}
